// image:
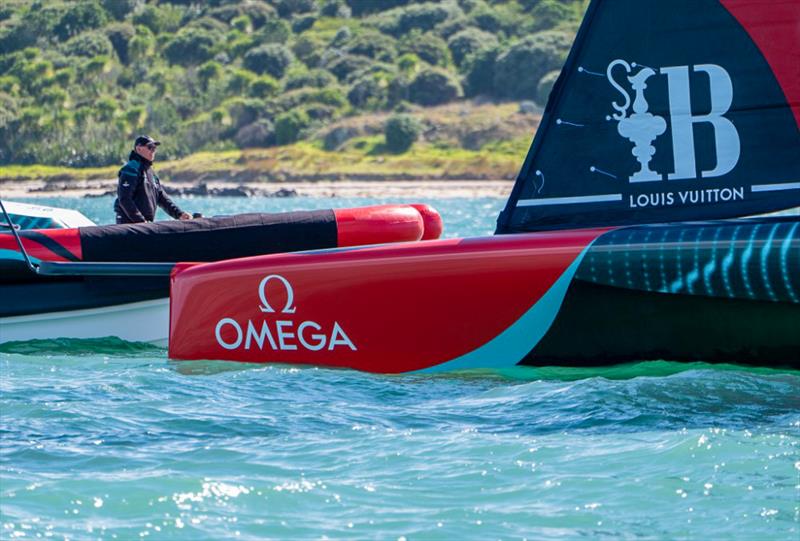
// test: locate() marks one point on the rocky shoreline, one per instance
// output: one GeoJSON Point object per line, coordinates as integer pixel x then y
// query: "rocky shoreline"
{"type": "Point", "coordinates": [305, 188]}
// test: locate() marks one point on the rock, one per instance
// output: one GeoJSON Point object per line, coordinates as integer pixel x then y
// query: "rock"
{"type": "Point", "coordinates": [528, 108]}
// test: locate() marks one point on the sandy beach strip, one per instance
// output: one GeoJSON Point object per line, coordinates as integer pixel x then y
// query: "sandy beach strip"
{"type": "Point", "coordinates": [328, 188]}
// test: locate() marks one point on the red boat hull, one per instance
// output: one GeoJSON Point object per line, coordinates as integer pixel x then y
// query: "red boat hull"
{"type": "Point", "coordinates": [447, 305]}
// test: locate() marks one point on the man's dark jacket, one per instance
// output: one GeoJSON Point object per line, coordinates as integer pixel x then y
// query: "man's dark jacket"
{"type": "Point", "coordinates": [139, 192]}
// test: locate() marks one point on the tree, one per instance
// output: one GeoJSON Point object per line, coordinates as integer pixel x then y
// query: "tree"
{"type": "Point", "coordinates": [519, 69]}
{"type": "Point", "coordinates": [434, 86]}
{"type": "Point", "coordinates": [423, 17]}
{"type": "Point", "coordinates": [120, 35]}
{"type": "Point", "coordinates": [88, 44]}
{"type": "Point", "coordinates": [162, 18]}
{"type": "Point", "coordinates": [271, 58]}
{"type": "Point", "coordinates": [81, 16]}
{"type": "Point", "coordinates": [545, 86]}
{"type": "Point", "coordinates": [428, 46]}
{"type": "Point", "coordinates": [263, 87]}
{"type": "Point", "coordinates": [191, 46]}
{"type": "Point", "coordinates": [208, 72]}
{"type": "Point", "coordinates": [367, 92]}
{"type": "Point", "coordinates": [548, 13]}
{"type": "Point", "coordinates": [401, 131]}
{"type": "Point", "coordinates": [373, 44]}
{"type": "Point", "coordinates": [335, 8]}
{"type": "Point", "coordinates": [479, 68]}
{"type": "Point", "coordinates": [119, 9]}
{"type": "Point", "coordinates": [289, 125]}
{"type": "Point", "coordinates": [317, 78]}
{"type": "Point", "coordinates": [468, 41]}
{"type": "Point", "coordinates": [260, 133]}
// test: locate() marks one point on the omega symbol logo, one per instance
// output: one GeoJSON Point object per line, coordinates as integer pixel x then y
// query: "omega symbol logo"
{"type": "Point", "coordinates": [266, 307]}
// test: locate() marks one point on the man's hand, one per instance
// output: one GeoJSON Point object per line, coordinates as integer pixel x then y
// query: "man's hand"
{"type": "Point", "coordinates": [185, 216]}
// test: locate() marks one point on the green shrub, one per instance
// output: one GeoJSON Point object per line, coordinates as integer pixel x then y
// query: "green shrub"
{"type": "Point", "coordinates": [469, 41]}
{"type": "Point", "coordinates": [272, 59]}
{"type": "Point", "coordinates": [65, 76]}
{"type": "Point", "coordinates": [401, 131]}
{"type": "Point", "coordinates": [263, 87]}
{"type": "Point", "coordinates": [429, 47]}
{"type": "Point", "coordinates": [316, 78]}
{"type": "Point", "coordinates": [120, 35]}
{"type": "Point", "coordinates": [208, 72]}
{"type": "Point", "coordinates": [452, 26]}
{"type": "Point", "coordinates": [434, 86]}
{"type": "Point", "coordinates": [273, 31]}
{"type": "Point", "coordinates": [423, 17]}
{"type": "Point", "coordinates": [80, 16]}
{"type": "Point", "coordinates": [343, 65]}
{"type": "Point", "coordinates": [495, 20]}
{"type": "Point", "coordinates": [289, 126]}
{"type": "Point", "coordinates": [548, 13]}
{"type": "Point", "coordinates": [479, 69]}
{"type": "Point", "coordinates": [545, 86]}
{"type": "Point", "coordinates": [88, 44]}
{"type": "Point", "coordinates": [159, 19]}
{"type": "Point", "coordinates": [335, 8]}
{"type": "Point", "coordinates": [191, 46]}
{"type": "Point", "coordinates": [308, 49]}
{"type": "Point", "coordinates": [302, 23]}
{"type": "Point", "coordinates": [256, 12]}
{"type": "Point", "coordinates": [519, 69]}
{"type": "Point", "coordinates": [239, 80]}
{"type": "Point", "coordinates": [331, 96]}
{"type": "Point", "coordinates": [365, 7]}
{"type": "Point", "coordinates": [9, 84]}
{"type": "Point", "coordinates": [367, 92]}
{"type": "Point", "coordinates": [242, 23]}
{"type": "Point", "coordinates": [287, 8]}
{"type": "Point", "coordinates": [373, 44]}
{"type": "Point", "coordinates": [15, 36]}
{"type": "Point", "coordinates": [244, 111]}
{"type": "Point", "coordinates": [142, 45]}
{"type": "Point", "coordinates": [119, 9]}
{"type": "Point", "coordinates": [260, 133]}
{"type": "Point", "coordinates": [321, 112]}
{"type": "Point", "coordinates": [53, 96]}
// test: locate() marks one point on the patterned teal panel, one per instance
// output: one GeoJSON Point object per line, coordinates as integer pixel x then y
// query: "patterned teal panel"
{"type": "Point", "coordinates": [745, 259]}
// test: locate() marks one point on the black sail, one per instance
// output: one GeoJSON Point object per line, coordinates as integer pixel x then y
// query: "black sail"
{"type": "Point", "coordinates": [668, 110]}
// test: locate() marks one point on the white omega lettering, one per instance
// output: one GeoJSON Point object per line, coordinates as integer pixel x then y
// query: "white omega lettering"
{"type": "Point", "coordinates": [262, 295]}
{"type": "Point", "coordinates": [319, 339]}
{"type": "Point", "coordinates": [259, 338]}
{"type": "Point", "coordinates": [284, 335]}
{"type": "Point", "coordinates": [339, 338]}
{"type": "Point", "coordinates": [218, 332]}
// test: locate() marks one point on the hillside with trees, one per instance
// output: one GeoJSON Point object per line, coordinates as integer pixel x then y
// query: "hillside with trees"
{"type": "Point", "coordinates": [79, 78]}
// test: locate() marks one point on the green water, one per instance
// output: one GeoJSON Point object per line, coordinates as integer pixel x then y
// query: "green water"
{"type": "Point", "coordinates": [102, 439]}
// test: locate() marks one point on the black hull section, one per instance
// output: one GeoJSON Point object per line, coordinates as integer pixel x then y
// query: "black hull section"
{"type": "Point", "coordinates": [601, 325]}
{"type": "Point", "coordinates": [60, 294]}
{"type": "Point", "coordinates": [211, 239]}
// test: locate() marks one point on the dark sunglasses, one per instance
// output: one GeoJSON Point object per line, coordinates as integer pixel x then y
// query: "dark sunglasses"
{"type": "Point", "coordinates": [151, 146]}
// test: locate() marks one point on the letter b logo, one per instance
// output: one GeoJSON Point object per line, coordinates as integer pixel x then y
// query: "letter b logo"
{"type": "Point", "coordinates": [726, 138]}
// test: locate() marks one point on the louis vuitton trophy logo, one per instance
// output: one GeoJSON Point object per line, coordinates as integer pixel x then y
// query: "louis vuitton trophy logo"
{"type": "Point", "coordinates": [642, 128]}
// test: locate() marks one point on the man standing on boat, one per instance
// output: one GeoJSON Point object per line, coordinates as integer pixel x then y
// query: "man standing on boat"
{"type": "Point", "coordinates": [139, 192]}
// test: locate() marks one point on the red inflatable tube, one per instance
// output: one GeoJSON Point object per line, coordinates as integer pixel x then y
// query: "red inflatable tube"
{"type": "Point", "coordinates": [432, 221]}
{"type": "Point", "coordinates": [378, 224]}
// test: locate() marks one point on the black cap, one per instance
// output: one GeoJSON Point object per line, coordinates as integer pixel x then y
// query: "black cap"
{"type": "Point", "coordinates": [144, 140]}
